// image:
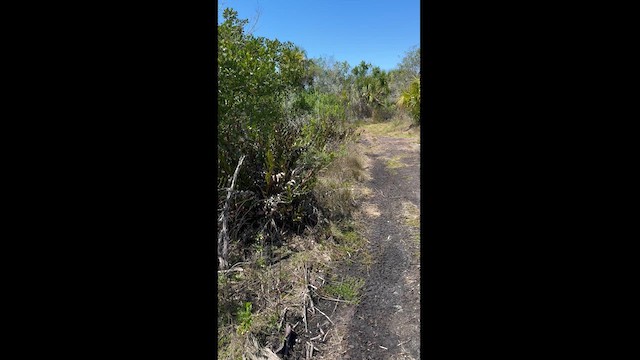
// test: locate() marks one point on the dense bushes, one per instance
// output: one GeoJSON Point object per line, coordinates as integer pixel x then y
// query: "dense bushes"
{"type": "Point", "coordinates": [405, 84]}
{"type": "Point", "coordinates": [285, 132]}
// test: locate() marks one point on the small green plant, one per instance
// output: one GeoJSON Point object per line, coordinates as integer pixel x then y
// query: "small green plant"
{"type": "Point", "coordinates": [259, 253]}
{"type": "Point", "coordinates": [348, 289]}
{"type": "Point", "coordinates": [222, 280]}
{"type": "Point", "coordinates": [273, 321]}
{"type": "Point", "coordinates": [244, 318]}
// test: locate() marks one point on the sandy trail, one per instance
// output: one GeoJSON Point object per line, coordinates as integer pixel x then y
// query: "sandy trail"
{"type": "Point", "coordinates": [386, 322]}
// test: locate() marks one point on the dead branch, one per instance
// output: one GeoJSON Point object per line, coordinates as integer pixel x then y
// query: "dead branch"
{"type": "Point", "coordinates": [284, 314]}
{"type": "Point", "coordinates": [310, 349]}
{"type": "Point", "coordinates": [304, 316]}
{"type": "Point", "coordinates": [404, 342]}
{"type": "Point", "coordinates": [325, 315]}
{"type": "Point", "coordinates": [304, 298]}
{"type": "Point", "coordinates": [258, 12]}
{"type": "Point", "coordinates": [269, 355]}
{"type": "Point", "coordinates": [289, 340]}
{"type": "Point", "coordinates": [311, 306]}
{"type": "Point", "coordinates": [306, 290]}
{"type": "Point", "coordinates": [335, 307]}
{"type": "Point", "coordinates": [223, 236]}
{"type": "Point", "coordinates": [325, 335]}
{"type": "Point", "coordinates": [231, 270]}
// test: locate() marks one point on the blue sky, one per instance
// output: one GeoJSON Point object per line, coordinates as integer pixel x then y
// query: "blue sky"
{"type": "Point", "coordinates": [377, 31]}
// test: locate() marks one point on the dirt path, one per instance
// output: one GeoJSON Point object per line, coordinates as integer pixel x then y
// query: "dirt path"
{"type": "Point", "coordinates": [386, 322]}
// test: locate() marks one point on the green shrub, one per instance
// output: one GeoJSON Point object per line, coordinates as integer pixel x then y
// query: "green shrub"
{"type": "Point", "coordinates": [244, 318]}
{"type": "Point", "coordinates": [410, 99]}
{"type": "Point", "coordinates": [286, 130]}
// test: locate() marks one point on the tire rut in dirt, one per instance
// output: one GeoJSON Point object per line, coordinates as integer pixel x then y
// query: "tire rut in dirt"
{"type": "Point", "coordinates": [384, 292]}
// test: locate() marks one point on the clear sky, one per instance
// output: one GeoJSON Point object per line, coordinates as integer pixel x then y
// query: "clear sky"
{"type": "Point", "coordinates": [376, 31]}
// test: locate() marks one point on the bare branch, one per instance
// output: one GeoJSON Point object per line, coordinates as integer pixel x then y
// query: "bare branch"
{"type": "Point", "coordinates": [325, 315]}
{"type": "Point", "coordinates": [335, 307]}
{"type": "Point", "coordinates": [230, 270]}
{"type": "Point", "coordinates": [304, 315]}
{"type": "Point", "coordinates": [404, 342]}
{"type": "Point", "coordinates": [223, 236]}
{"type": "Point", "coordinates": [304, 299]}
{"type": "Point", "coordinates": [284, 314]}
{"type": "Point", "coordinates": [325, 335]}
{"type": "Point", "coordinates": [255, 22]}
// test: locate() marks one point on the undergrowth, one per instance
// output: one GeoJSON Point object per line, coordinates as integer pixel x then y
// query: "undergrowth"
{"type": "Point", "coordinates": [347, 289]}
{"type": "Point", "coordinates": [254, 294]}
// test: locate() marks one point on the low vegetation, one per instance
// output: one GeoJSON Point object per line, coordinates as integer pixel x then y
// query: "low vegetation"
{"type": "Point", "coordinates": [411, 214]}
{"type": "Point", "coordinates": [347, 289]}
{"type": "Point", "coordinates": [399, 127]}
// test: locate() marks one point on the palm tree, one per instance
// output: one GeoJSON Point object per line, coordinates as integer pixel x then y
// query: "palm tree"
{"type": "Point", "coordinates": [410, 99]}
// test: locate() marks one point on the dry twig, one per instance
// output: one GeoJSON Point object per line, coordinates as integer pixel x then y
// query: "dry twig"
{"type": "Point", "coordinates": [312, 308]}
{"type": "Point", "coordinates": [289, 338]}
{"type": "Point", "coordinates": [335, 307]}
{"type": "Point", "coordinates": [309, 353]}
{"type": "Point", "coordinates": [325, 315]}
{"type": "Point", "coordinates": [304, 316]}
{"type": "Point", "coordinates": [325, 335]}
{"type": "Point", "coordinates": [404, 342]}
{"type": "Point", "coordinates": [239, 269]}
{"type": "Point", "coordinates": [310, 349]}
{"type": "Point", "coordinates": [284, 314]}
{"type": "Point", "coordinates": [332, 299]}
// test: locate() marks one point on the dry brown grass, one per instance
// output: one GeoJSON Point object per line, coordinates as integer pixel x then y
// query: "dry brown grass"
{"type": "Point", "coordinates": [338, 186]}
{"type": "Point", "coordinates": [398, 127]}
{"type": "Point", "coordinates": [371, 210]}
{"type": "Point", "coordinates": [394, 162]}
{"type": "Point", "coordinates": [411, 214]}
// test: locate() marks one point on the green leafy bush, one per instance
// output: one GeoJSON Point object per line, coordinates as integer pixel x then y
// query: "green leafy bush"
{"type": "Point", "coordinates": [269, 112]}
